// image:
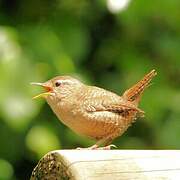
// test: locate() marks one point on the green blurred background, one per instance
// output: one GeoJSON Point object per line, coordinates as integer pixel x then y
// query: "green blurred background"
{"type": "Point", "coordinates": [108, 43]}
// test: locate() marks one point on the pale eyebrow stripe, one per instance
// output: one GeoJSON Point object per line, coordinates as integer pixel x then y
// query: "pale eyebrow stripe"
{"type": "Point", "coordinates": [66, 81]}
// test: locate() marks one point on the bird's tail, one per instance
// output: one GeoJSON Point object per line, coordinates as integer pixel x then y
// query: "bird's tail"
{"type": "Point", "coordinates": [134, 93]}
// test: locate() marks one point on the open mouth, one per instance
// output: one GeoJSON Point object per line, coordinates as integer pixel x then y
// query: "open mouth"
{"type": "Point", "coordinates": [44, 94]}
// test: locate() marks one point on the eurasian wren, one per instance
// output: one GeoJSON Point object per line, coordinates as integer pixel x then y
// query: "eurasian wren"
{"type": "Point", "coordinates": [93, 111]}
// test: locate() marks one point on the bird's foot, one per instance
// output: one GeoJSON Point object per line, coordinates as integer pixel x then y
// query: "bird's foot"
{"type": "Point", "coordinates": [96, 147]}
{"type": "Point", "coordinates": [89, 148]}
{"type": "Point", "coordinates": [107, 147]}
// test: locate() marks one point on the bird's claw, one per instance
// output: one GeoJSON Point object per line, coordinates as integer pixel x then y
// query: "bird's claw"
{"type": "Point", "coordinates": [79, 148]}
{"type": "Point", "coordinates": [95, 147]}
{"type": "Point", "coordinates": [107, 147]}
{"type": "Point", "coordinates": [89, 148]}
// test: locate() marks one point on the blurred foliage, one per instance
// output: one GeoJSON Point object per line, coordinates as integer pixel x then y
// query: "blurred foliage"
{"type": "Point", "coordinates": [101, 46]}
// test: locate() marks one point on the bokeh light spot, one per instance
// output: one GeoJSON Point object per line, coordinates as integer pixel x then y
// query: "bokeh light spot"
{"type": "Point", "coordinates": [116, 6]}
{"type": "Point", "coordinates": [41, 140]}
{"type": "Point", "coordinates": [18, 111]}
{"type": "Point", "coordinates": [6, 170]}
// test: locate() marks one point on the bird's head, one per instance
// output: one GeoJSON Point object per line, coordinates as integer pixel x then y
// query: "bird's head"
{"type": "Point", "coordinates": [59, 87]}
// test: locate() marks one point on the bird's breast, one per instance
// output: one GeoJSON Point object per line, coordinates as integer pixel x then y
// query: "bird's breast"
{"type": "Point", "coordinates": [63, 110]}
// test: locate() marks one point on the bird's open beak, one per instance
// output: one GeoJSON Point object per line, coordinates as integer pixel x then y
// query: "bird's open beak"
{"type": "Point", "coordinates": [46, 87]}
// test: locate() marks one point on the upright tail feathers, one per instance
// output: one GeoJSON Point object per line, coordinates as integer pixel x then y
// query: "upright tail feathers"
{"type": "Point", "coordinates": [134, 93]}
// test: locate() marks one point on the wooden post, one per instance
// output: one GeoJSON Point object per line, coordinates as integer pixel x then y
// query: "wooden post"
{"type": "Point", "coordinates": [109, 165]}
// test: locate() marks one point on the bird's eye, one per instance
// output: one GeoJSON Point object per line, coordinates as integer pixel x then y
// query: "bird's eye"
{"type": "Point", "coordinates": [58, 83]}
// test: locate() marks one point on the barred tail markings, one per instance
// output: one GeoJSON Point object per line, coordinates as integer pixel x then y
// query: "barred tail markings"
{"type": "Point", "coordinates": [134, 93]}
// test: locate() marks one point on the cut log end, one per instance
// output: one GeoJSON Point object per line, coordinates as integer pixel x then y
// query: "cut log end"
{"type": "Point", "coordinates": [50, 167]}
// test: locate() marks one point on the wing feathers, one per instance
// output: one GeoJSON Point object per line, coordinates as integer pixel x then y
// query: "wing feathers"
{"type": "Point", "coordinates": [116, 108]}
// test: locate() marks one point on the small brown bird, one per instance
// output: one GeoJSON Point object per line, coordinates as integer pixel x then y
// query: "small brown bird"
{"type": "Point", "coordinates": [93, 111]}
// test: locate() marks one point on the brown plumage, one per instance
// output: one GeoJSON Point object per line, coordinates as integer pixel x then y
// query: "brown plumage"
{"type": "Point", "coordinates": [93, 111]}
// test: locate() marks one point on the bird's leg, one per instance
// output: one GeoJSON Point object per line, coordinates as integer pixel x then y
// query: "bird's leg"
{"type": "Point", "coordinates": [98, 143]}
{"type": "Point", "coordinates": [93, 147]}
{"type": "Point", "coordinates": [105, 141]}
